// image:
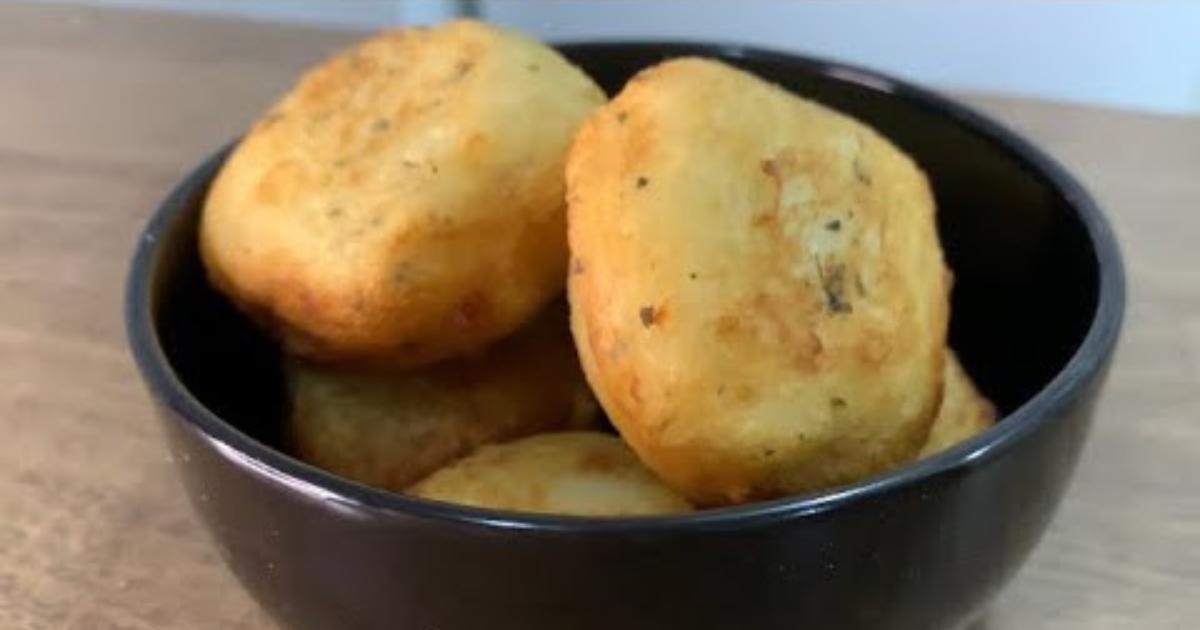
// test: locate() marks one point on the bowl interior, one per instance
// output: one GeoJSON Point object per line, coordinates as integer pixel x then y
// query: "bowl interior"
{"type": "Point", "coordinates": [1026, 273]}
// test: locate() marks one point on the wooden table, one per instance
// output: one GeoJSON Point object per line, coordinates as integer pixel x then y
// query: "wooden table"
{"type": "Point", "coordinates": [100, 111]}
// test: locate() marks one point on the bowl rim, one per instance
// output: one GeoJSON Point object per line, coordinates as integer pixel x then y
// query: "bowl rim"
{"type": "Point", "coordinates": [276, 466]}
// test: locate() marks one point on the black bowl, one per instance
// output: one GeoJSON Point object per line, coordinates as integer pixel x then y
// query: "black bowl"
{"type": "Point", "coordinates": [1037, 308]}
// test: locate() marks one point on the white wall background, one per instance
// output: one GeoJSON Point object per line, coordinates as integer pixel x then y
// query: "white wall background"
{"type": "Point", "coordinates": [1137, 54]}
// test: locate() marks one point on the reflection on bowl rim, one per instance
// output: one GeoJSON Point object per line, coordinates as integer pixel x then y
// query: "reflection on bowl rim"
{"type": "Point", "coordinates": [354, 498]}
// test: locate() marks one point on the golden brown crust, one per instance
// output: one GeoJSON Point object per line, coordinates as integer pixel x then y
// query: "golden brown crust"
{"type": "Point", "coordinates": [389, 428]}
{"type": "Point", "coordinates": [405, 200]}
{"type": "Point", "coordinates": [758, 294]}
{"type": "Point", "coordinates": [964, 412]}
{"type": "Point", "coordinates": [575, 473]}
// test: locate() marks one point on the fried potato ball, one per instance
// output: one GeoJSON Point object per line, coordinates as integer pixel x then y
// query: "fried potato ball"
{"type": "Point", "coordinates": [389, 428]}
{"type": "Point", "coordinates": [758, 293]}
{"type": "Point", "coordinates": [404, 200]}
{"type": "Point", "coordinates": [964, 411]}
{"type": "Point", "coordinates": [576, 473]}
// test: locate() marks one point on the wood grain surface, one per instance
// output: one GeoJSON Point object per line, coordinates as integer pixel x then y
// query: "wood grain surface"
{"type": "Point", "coordinates": [100, 111]}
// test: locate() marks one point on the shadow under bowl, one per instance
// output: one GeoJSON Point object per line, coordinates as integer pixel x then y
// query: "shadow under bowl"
{"type": "Point", "coordinates": [1037, 306]}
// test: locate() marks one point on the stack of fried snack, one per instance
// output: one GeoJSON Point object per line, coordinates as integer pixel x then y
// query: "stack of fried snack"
{"type": "Point", "coordinates": [757, 292]}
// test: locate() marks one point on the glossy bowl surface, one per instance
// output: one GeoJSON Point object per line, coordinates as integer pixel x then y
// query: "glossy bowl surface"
{"type": "Point", "coordinates": [1038, 302]}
